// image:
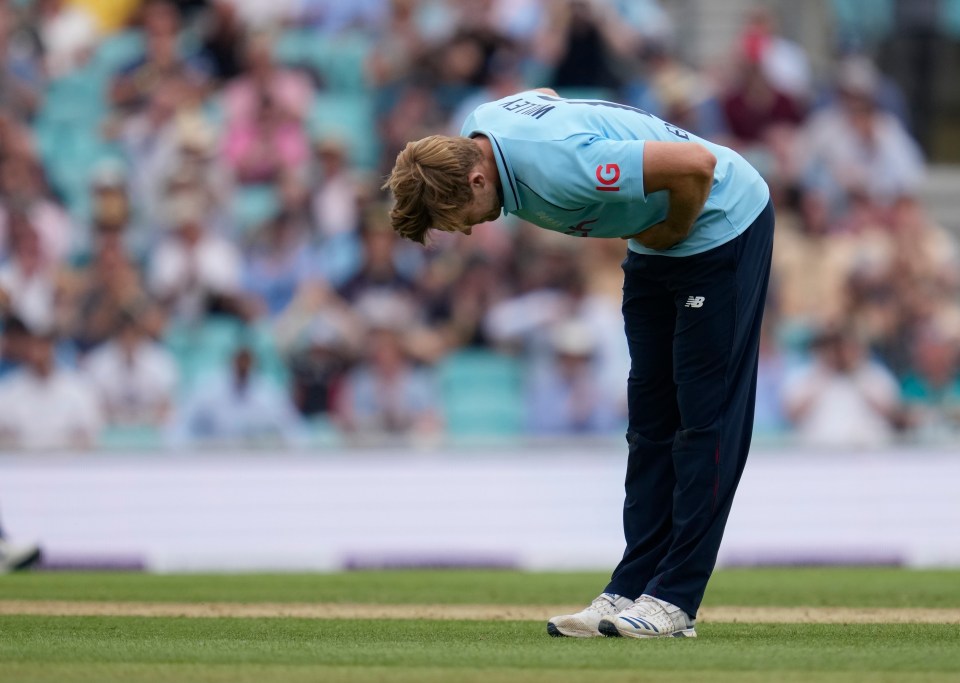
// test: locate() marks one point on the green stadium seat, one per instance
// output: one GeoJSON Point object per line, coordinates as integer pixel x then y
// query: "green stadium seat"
{"type": "Point", "coordinates": [252, 205]}
{"type": "Point", "coordinates": [131, 438]}
{"type": "Point", "coordinates": [292, 48]}
{"type": "Point", "coordinates": [341, 62]}
{"type": "Point", "coordinates": [482, 394]}
{"type": "Point", "coordinates": [269, 361]}
{"type": "Point", "coordinates": [951, 18]}
{"type": "Point", "coordinates": [350, 118]}
{"type": "Point", "coordinates": [77, 98]}
{"type": "Point", "coordinates": [208, 347]}
{"type": "Point", "coordinates": [202, 348]}
{"type": "Point", "coordinates": [337, 61]}
{"type": "Point", "coordinates": [322, 432]}
{"type": "Point", "coordinates": [586, 93]}
{"type": "Point", "coordinates": [116, 51]}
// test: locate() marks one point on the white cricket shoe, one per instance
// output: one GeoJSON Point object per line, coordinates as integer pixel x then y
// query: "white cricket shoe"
{"type": "Point", "coordinates": [585, 624]}
{"type": "Point", "coordinates": [649, 618]}
{"type": "Point", "coordinates": [13, 557]}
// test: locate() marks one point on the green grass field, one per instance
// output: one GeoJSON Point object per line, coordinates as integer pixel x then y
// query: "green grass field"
{"type": "Point", "coordinates": [75, 648]}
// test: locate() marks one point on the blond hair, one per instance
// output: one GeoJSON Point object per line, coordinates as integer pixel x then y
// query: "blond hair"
{"type": "Point", "coordinates": [430, 185]}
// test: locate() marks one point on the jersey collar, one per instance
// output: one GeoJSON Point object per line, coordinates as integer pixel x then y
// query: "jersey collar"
{"type": "Point", "coordinates": [509, 195]}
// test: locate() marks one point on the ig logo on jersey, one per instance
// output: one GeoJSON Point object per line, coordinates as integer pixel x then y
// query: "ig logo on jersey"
{"type": "Point", "coordinates": [608, 175]}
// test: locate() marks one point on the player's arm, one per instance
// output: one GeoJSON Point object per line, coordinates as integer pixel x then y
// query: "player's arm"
{"type": "Point", "coordinates": [685, 171]}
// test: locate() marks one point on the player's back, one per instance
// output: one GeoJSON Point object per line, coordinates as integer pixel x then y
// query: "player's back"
{"type": "Point", "coordinates": [522, 123]}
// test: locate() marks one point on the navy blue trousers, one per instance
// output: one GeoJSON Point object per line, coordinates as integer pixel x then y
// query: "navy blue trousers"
{"type": "Point", "coordinates": [693, 328]}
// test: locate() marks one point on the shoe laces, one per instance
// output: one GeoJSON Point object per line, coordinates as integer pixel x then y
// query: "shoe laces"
{"type": "Point", "coordinates": [651, 608]}
{"type": "Point", "coordinates": [605, 603]}
{"type": "Point", "coordinates": [647, 606]}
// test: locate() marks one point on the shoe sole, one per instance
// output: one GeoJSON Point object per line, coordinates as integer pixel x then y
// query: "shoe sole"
{"type": "Point", "coordinates": [25, 561]}
{"type": "Point", "coordinates": [610, 630]}
{"type": "Point", "coordinates": [555, 632]}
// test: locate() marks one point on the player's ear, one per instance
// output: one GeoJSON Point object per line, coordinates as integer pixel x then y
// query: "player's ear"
{"type": "Point", "coordinates": [476, 179]}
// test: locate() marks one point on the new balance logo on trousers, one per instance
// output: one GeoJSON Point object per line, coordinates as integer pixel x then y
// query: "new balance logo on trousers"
{"type": "Point", "coordinates": [694, 302]}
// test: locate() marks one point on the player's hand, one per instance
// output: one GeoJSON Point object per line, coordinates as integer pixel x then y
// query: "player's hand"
{"type": "Point", "coordinates": [659, 237]}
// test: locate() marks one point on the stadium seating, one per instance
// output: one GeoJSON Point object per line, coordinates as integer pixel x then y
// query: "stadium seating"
{"type": "Point", "coordinates": [481, 393]}
{"type": "Point", "coordinates": [348, 117]}
{"type": "Point", "coordinates": [252, 205]}
{"type": "Point", "coordinates": [336, 62]}
{"type": "Point", "coordinates": [207, 347]}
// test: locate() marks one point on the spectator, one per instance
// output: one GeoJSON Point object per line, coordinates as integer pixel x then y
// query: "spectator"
{"type": "Point", "coordinates": [769, 418]}
{"type": "Point", "coordinates": [784, 63]}
{"type": "Point", "coordinates": [258, 15]}
{"type": "Point", "coordinates": [277, 264]}
{"type": "Point", "coordinates": [23, 190]}
{"type": "Point", "coordinates": [106, 292]}
{"type": "Point", "coordinates": [16, 139]}
{"type": "Point", "coordinates": [293, 200]}
{"type": "Point", "coordinates": [319, 366]}
{"type": "Point", "coordinates": [812, 263]}
{"type": "Point", "coordinates": [111, 210]}
{"type": "Point", "coordinates": [676, 92]}
{"type": "Point", "coordinates": [566, 395]}
{"type": "Point", "coordinates": [109, 16]}
{"type": "Point", "coordinates": [386, 395]}
{"type": "Point", "coordinates": [28, 280]}
{"type": "Point", "coordinates": [237, 407]}
{"type": "Point", "coordinates": [338, 191]}
{"type": "Point", "coordinates": [223, 41]}
{"type": "Point", "coordinates": [47, 407]}
{"type": "Point", "coordinates": [399, 46]}
{"type": "Point", "coordinates": [582, 42]}
{"type": "Point", "coordinates": [932, 388]}
{"type": "Point", "coordinates": [842, 398]}
{"type": "Point", "coordinates": [163, 60]}
{"type": "Point", "coordinates": [333, 17]}
{"type": "Point", "coordinates": [262, 80]}
{"type": "Point", "coordinates": [647, 20]}
{"type": "Point", "coordinates": [134, 377]}
{"type": "Point", "coordinates": [149, 143]}
{"type": "Point", "coordinates": [169, 145]}
{"type": "Point", "coordinates": [767, 99]}
{"type": "Point", "coordinates": [928, 253]}
{"type": "Point", "coordinates": [852, 147]}
{"type": "Point", "coordinates": [194, 271]}
{"type": "Point", "coordinates": [68, 34]}
{"type": "Point", "coordinates": [755, 110]}
{"type": "Point", "coordinates": [14, 345]}
{"type": "Point", "coordinates": [455, 297]}
{"type": "Point", "coordinates": [505, 79]}
{"type": "Point", "coordinates": [557, 291]}
{"type": "Point", "coordinates": [466, 60]}
{"type": "Point", "coordinates": [272, 142]}
{"type": "Point", "coordinates": [199, 172]}
{"type": "Point", "coordinates": [415, 111]}
{"type": "Point", "coordinates": [21, 72]}
{"type": "Point", "coordinates": [381, 266]}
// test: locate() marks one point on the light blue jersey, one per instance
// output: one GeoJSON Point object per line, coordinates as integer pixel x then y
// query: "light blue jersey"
{"type": "Point", "coordinates": [576, 167]}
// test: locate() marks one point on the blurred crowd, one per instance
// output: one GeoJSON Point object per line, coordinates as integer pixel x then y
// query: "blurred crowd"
{"type": "Point", "coordinates": [194, 246]}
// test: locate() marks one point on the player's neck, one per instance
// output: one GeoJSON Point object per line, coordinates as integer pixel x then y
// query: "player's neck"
{"type": "Point", "coordinates": [489, 163]}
